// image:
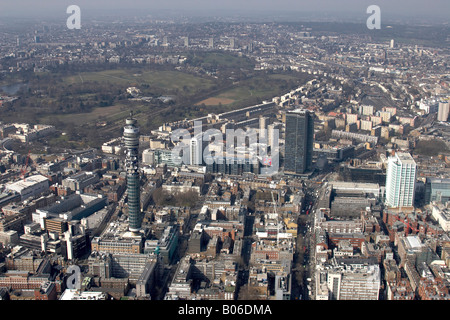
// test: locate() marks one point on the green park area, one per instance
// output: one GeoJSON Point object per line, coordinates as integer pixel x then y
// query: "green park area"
{"type": "Point", "coordinates": [431, 147]}
{"type": "Point", "coordinates": [89, 104]}
{"type": "Point", "coordinates": [166, 81]}
{"type": "Point", "coordinates": [254, 90]}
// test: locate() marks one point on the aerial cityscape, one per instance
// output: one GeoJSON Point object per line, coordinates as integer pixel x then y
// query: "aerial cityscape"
{"type": "Point", "coordinates": [248, 155]}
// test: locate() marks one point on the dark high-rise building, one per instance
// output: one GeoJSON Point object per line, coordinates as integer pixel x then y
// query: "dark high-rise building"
{"type": "Point", "coordinates": [299, 141]}
{"type": "Point", "coordinates": [131, 140]}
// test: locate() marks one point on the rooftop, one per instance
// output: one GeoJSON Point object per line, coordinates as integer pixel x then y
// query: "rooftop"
{"type": "Point", "coordinates": [27, 182]}
{"type": "Point", "coordinates": [414, 242]}
{"type": "Point", "coordinates": [73, 294]}
{"type": "Point", "coordinates": [405, 157]}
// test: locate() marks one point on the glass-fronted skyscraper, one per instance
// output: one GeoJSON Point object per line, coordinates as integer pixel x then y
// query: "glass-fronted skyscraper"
{"type": "Point", "coordinates": [400, 180]}
{"type": "Point", "coordinates": [299, 141]}
{"type": "Point", "coordinates": [131, 141]}
{"type": "Point", "coordinates": [437, 189]}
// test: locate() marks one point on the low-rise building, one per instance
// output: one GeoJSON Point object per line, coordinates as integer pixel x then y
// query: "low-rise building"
{"type": "Point", "coordinates": [30, 186]}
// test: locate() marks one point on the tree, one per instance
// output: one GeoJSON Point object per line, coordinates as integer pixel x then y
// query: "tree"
{"type": "Point", "coordinates": [186, 199]}
{"type": "Point", "coordinates": [247, 292]}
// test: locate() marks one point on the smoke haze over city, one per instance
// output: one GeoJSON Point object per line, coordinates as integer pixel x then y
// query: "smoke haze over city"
{"type": "Point", "coordinates": [349, 10]}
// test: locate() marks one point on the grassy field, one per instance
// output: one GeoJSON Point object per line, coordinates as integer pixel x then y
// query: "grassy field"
{"type": "Point", "coordinates": [259, 87]}
{"type": "Point", "coordinates": [112, 114]}
{"type": "Point", "coordinates": [155, 82]}
{"type": "Point", "coordinates": [98, 114]}
{"type": "Point", "coordinates": [168, 80]}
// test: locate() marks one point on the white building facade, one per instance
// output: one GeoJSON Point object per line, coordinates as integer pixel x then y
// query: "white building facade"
{"type": "Point", "coordinates": [400, 180]}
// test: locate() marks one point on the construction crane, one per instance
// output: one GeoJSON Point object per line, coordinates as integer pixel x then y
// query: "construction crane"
{"type": "Point", "coordinates": [408, 225]}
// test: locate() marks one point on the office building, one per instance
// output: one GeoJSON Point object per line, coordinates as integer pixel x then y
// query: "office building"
{"type": "Point", "coordinates": [392, 44]}
{"type": "Point", "coordinates": [443, 110]}
{"type": "Point", "coordinates": [273, 132]}
{"type": "Point", "coordinates": [47, 291]}
{"type": "Point", "coordinates": [80, 180]}
{"type": "Point", "coordinates": [437, 190]}
{"type": "Point", "coordinates": [116, 239]}
{"type": "Point", "coordinates": [299, 141]}
{"type": "Point", "coordinates": [148, 157]}
{"type": "Point", "coordinates": [22, 280]}
{"type": "Point", "coordinates": [149, 279]}
{"type": "Point", "coordinates": [235, 165]}
{"type": "Point", "coordinates": [262, 127]}
{"type": "Point", "coordinates": [54, 217]}
{"type": "Point", "coordinates": [430, 105]}
{"type": "Point", "coordinates": [354, 279]}
{"type": "Point", "coordinates": [442, 215]}
{"type": "Point", "coordinates": [162, 156]}
{"type": "Point", "coordinates": [196, 150]}
{"type": "Point", "coordinates": [166, 245]}
{"type": "Point", "coordinates": [400, 180]}
{"type": "Point", "coordinates": [232, 43]}
{"type": "Point", "coordinates": [29, 187]}
{"type": "Point", "coordinates": [180, 287]}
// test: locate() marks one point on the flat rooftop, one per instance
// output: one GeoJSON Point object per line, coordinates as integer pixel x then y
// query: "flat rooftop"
{"type": "Point", "coordinates": [405, 157]}
{"type": "Point", "coordinates": [414, 242]}
{"type": "Point", "coordinates": [340, 185]}
{"type": "Point", "coordinates": [27, 182]}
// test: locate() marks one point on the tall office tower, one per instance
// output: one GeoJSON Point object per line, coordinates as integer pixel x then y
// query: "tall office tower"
{"type": "Point", "coordinates": [392, 44]}
{"type": "Point", "coordinates": [131, 139]}
{"type": "Point", "coordinates": [271, 132]}
{"type": "Point", "coordinates": [232, 43]}
{"type": "Point", "coordinates": [262, 127]}
{"type": "Point", "coordinates": [400, 180]}
{"type": "Point", "coordinates": [299, 141]}
{"type": "Point", "coordinates": [196, 150]}
{"type": "Point", "coordinates": [186, 42]}
{"type": "Point", "coordinates": [211, 42]}
{"type": "Point", "coordinates": [443, 111]}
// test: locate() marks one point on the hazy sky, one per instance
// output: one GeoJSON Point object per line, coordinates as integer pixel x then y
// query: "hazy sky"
{"type": "Point", "coordinates": [389, 8]}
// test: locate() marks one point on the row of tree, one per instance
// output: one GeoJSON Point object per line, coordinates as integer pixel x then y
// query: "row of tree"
{"type": "Point", "coordinates": [162, 197]}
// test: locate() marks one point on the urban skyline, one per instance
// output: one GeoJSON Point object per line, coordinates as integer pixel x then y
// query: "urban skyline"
{"type": "Point", "coordinates": [189, 150]}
